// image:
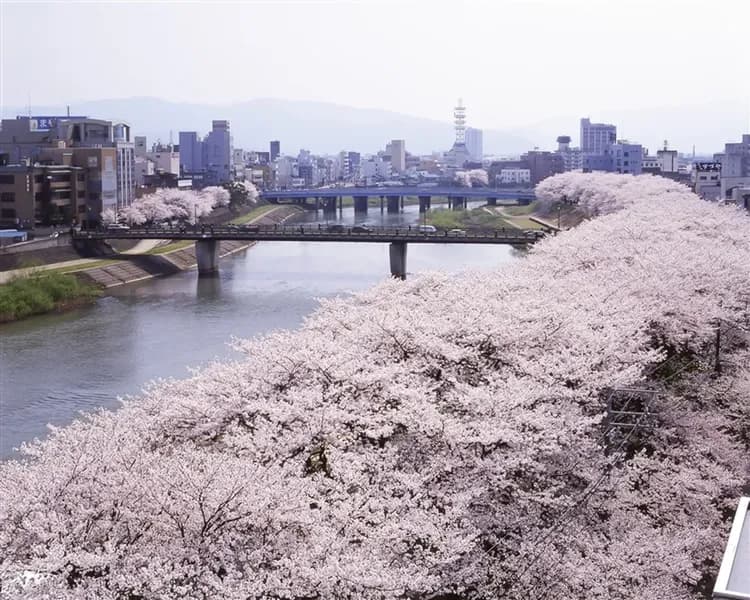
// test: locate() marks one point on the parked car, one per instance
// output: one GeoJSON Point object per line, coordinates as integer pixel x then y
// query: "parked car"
{"type": "Point", "coordinates": [456, 232]}
{"type": "Point", "coordinates": [361, 229]}
{"type": "Point", "coordinates": [336, 228]}
{"type": "Point", "coordinates": [427, 229]}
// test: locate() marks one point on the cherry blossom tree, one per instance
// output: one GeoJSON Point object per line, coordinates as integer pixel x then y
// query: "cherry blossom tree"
{"type": "Point", "coordinates": [442, 437]}
{"type": "Point", "coordinates": [472, 177]}
{"type": "Point", "coordinates": [169, 203]}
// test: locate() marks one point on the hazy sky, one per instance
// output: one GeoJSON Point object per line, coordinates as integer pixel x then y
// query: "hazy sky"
{"type": "Point", "coordinates": [513, 62]}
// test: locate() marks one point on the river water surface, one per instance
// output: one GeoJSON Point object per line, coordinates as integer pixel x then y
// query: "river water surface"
{"type": "Point", "coordinates": [53, 367]}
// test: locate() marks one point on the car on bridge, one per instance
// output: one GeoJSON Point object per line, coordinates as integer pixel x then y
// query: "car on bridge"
{"type": "Point", "coordinates": [117, 227]}
{"type": "Point", "coordinates": [456, 232]}
{"type": "Point", "coordinates": [361, 229]}
{"type": "Point", "coordinates": [336, 228]}
{"type": "Point", "coordinates": [427, 229]}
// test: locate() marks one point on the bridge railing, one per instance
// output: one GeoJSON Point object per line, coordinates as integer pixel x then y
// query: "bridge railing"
{"type": "Point", "coordinates": [319, 231]}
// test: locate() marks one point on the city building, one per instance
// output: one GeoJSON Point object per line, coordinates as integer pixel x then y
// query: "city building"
{"type": "Point", "coordinates": [217, 147]}
{"type": "Point", "coordinates": [668, 160]}
{"type": "Point", "coordinates": [706, 179]}
{"type": "Point", "coordinates": [207, 161]}
{"type": "Point", "coordinates": [474, 143]}
{"type": "Point", "coordinates": [572, 157]}
{"type": "Point", "coordinates": [165, 159]}
{"type": "Point", "coordinates": [542, 164]}
{"type": "Point", "coordinates": [100, 165]}
{"type": "Point", "coordinates": [42, 195]}
{"type": "Point", "coordinates": [191, 153]}
{"type": "Point", "coordinates": [514, 177]}
{"type": "Point", "coordinates": [596, 138]}
{"type": "Point", "coordinates": [735, 167]}
{"type": "Point", "coordinates": [275, 150]}
{"type": "Point", "coordinates": [397, 151]}
{"type": "Point", "coordinates": [27, 138]}
{"type": "Point", "coordinates": [141, 146]}
{"type": "Point", "coordinates": [626, 157]}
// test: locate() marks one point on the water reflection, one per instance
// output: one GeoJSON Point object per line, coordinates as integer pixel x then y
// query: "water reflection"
{"type": "Point", "coordinates": [54, 366]}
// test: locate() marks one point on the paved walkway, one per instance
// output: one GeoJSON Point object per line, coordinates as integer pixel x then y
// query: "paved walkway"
{"type": "Point", "coordinates": [6, 276]}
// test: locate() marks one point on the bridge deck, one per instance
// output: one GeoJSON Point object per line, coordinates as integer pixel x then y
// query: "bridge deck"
{"type": "Point", "coordinates": [318, 234]}
{"type": "Point", "coordinates": [385, 191]}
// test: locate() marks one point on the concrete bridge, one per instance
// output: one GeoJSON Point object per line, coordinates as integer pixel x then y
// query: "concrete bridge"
{"type": "Point", "coordinates": [393, 197]}
{"type": "Point", "coordinates": [207, 238]}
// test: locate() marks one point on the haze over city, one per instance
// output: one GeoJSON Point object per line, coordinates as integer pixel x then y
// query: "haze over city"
{"type": "Point", "coordinates": [528, 66]}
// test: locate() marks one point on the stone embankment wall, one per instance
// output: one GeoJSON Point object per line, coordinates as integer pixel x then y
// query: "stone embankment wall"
{"type": "Point", "coordinates": [132, 268]}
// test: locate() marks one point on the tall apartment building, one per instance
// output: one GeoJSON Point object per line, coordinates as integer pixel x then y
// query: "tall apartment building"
{"type": "Point", "coordinates": [474, 143]}
{"type": "Point", "coordinates": [596, 138]}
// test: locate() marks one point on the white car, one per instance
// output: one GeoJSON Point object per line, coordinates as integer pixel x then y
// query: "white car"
{"type": "Point", "coordinates": [427, 229]}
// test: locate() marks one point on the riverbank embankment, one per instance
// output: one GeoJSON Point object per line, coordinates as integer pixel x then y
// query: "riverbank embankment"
{"type": "Point", "coordinates": [172, 258]}
{"type": "Point", "coordinates": [74, 283]}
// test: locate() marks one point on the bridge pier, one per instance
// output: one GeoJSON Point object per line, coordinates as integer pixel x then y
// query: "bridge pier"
{"type": "Point", "coordinates": [341, 204]}
{"type": "Point", "coordinates": [491, 201]}
{"type": "Point", "coordinates": [459, 203]}
{"type": "Point", "coordinates": [360, 204]}
{"type": "Point", "coordinates": [397, 251]}
{"type": "Point", "coordinates": [207, 256]}
{"type": "Point", "coordinates": [382, 200]}
{"type": "Point", "coordinates": [424, 203]}
{"type": "Point", "coordinates": [394, 204]}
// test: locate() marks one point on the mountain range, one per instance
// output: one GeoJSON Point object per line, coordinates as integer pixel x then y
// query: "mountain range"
{"type": "Point", "coordinates": [329, 128]}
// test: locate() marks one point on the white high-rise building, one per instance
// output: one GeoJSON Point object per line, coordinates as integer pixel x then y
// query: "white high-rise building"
{"type": "Point", "coordinates": [397, 150]}
{"type": "Point", "coordinates": [474, 143]}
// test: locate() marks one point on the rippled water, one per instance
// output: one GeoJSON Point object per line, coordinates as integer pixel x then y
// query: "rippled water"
{"type": "Point", "coordinates": [54, 366]}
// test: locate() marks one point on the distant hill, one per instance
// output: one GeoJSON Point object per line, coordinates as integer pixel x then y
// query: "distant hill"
{"type": "Point", "coordinates": [317, 126]}
{"type": "Point", "coordinates": [328, 128]}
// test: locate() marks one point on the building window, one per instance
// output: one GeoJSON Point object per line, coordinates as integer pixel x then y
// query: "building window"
{"type": "Point", "coordinates": [81, 177]}
{"type": "Point", "coordinates": [7, 179]}
{"type": "Point", "coordinates": [8, 213]}
{"type": "Point", "coordinates": [82, 208]}
{"type": "Point", "coordinates": [7, 196]}
{"type": "Point", "coordinates": [38, 178]}
{"type": "Point", "coordinates": [81, 193]}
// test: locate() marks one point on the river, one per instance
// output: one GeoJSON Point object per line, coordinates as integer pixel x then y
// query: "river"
{"type": "Point", "coordinates": [53, 367]}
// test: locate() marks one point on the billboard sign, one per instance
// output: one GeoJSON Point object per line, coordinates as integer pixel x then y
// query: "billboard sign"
{"type": "Point", "coordinates": [46, 123]}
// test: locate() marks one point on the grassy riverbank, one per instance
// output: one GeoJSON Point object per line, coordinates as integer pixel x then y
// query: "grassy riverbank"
{"type": "Point", "coordinates": [478, 218]}
{"type": "Point", "coordinates": [43, 292]}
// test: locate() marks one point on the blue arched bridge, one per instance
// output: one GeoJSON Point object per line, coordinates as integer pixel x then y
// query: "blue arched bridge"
{"type": "Point", "coordinates": [207, 238]}
{"type": "Point", "coordinates": [393, 196]}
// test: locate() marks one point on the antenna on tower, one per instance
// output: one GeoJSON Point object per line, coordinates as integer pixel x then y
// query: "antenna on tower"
{"type": "Point", "coordinates": [666, 145]}
{"type": "Point", "coordinates": [170, 138]}
{"type": "Point", "coordinates": [459, 119]}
